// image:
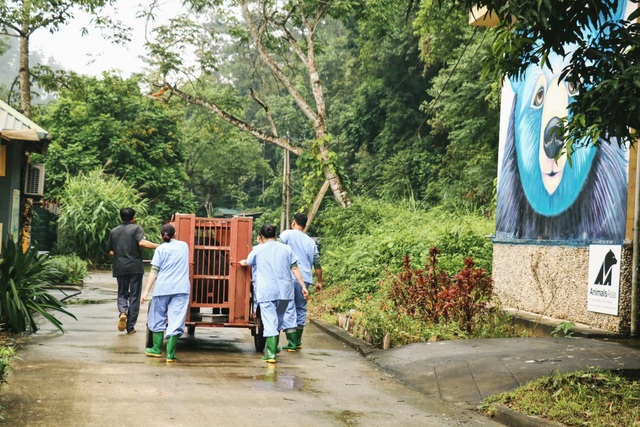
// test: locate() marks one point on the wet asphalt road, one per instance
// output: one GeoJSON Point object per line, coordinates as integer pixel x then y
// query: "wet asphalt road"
{"type": "Point", "coordinates": [94, 375]}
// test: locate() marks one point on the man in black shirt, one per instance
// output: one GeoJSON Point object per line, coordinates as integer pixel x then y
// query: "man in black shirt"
{"type": "Point", "coordinates": [124, 245]}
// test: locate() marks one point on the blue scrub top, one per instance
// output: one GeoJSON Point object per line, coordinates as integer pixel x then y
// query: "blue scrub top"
{"type": "Point", "coordinates": [272, 262]}
{"type": "Point", "coordinates": [305, 249]}
{"type": "Point", "coordinates": [172, 258]}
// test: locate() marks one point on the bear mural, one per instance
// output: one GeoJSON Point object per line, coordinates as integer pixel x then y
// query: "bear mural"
{"type": "Point", "coordinates": [540, 197]}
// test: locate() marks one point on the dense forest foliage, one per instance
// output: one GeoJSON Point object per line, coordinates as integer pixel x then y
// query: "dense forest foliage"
{"type": "Point", "coordinates": [408, 117]}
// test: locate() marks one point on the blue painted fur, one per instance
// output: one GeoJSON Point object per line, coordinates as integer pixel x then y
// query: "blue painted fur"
{"type": "Point", "coordinates": [541, 197]}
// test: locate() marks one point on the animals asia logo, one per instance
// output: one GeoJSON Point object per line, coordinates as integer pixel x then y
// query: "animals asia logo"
{"type": "Point", "coordinates": [603, 294]}
{"type": "Point", "coordinates": [605, 274]}
{"type": "Point", "coordinates": [540, 196]}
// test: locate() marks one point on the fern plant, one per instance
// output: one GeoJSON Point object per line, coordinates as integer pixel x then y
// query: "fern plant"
{"type": "Point", "coordinates": [72, 269]}
{"type": "Point", "coordinates": [91, 205]}
{"type": "Point", "coordinates": [24, 281]}
{"type": "Point", "coordinates": [6, 354]}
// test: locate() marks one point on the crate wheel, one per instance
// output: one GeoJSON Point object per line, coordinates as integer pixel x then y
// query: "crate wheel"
{"type": "Point", "coordinates": [258, 338]}
{"type": "Point", "coordinates": [149, 338]}
{"type": "Point", "coordinates": [191, 330]}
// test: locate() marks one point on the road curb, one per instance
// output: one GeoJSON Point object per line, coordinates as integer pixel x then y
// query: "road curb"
{"type": "Point", "coordinates": [345, 337]}
{"type": "Point", "coordinates": [512, 418]}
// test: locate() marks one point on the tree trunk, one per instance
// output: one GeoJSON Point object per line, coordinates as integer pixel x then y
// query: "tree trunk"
{"type": "Point", "coordinates": [286, 195]}
{"type": "Point", "coordinates": [316, 117]}
{"type": "Point", "coordinates": [25, 81]}
{"type": "Point", "coordinates": [316, 203]}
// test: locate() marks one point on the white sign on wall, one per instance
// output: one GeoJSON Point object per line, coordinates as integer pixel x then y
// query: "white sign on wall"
{"type": "Point", "coordinates": [604, 279]}
{"type": "Point", "coordinates": [14, 228]}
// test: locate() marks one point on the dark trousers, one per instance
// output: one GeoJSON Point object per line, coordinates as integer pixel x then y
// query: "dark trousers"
{"type": "Point", "coordinates": [129, 290]}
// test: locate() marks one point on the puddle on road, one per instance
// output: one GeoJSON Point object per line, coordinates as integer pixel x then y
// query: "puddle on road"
{"type": "Point", "coordinates": [88, 296]}
{"type": "Point", "coordinates": [78, 301]}
{"type": "Point", "coordinates": [346, 418]}
{"type": "Point", "coordinates": [125, 349]}
{"type": "Point", "coordinates": [212, 344]}
{"type": "Point", "coordinates": [271, 378]}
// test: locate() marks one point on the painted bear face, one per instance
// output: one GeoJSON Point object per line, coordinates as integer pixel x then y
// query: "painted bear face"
{"type": "Point", "coordinates": [542, 101]}
{"type": "Point", "coordinates": [549, 183]}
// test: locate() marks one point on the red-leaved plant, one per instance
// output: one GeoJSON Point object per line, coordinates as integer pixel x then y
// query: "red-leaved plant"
{"type": "Point", "coordinates": [433, 296]}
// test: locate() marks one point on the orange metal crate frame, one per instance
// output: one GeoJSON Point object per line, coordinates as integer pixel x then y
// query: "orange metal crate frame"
{"type": "Point", "coordinates": [220, 287]}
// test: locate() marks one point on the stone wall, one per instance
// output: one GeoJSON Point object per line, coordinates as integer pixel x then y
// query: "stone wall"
{"type": "Point", "coordinates": [553, 281]}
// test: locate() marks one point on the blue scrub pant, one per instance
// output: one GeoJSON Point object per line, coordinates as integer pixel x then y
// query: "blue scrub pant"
{"type": "Point", "coordinates": [168, 313]}
{"type": "Point", "coordinates": [277, 315]}
{"type": "Point", "coordinates": [301, 304]}
{"type": "Point", "coordinates": [129, 291]}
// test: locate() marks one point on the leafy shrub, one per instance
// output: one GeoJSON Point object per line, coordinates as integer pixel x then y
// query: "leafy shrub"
{"type": "Point", "coordinates": [433, 296]}
{"type": "Point", "coordinates": [416, 305]}
{"type": "Point", "coordinates": [23, 281]}
{"type": "Point", "coordinates": [91, 206]}
{"type": "Point", "coordinates": [374, 317]}
{"type": "Point", "coordinates": [72, 269]}
{"type": "Point", "coordinates": [563, 329]}
{"type": "Point", "coordinates": [363, 244]}
{"type": "Point", "coordinates": [6, 354]}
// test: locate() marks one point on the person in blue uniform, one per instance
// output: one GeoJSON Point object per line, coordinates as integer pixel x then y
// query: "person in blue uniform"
{"type": "Point", "coordinates": [274, 263]}
{"type": "Point", "coordinates": [170, 302]}
{"type": "Point", "coordinates": [253, 282]}
{"type": "Point", "coordinates": [305, 248]}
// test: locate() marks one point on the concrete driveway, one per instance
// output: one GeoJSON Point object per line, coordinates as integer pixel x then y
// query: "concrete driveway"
{"type": "Point", "coordinates": [94, 375]}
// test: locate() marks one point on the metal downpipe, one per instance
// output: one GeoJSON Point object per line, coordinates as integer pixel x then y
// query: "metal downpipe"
{"type": "Point", "coordinates": [636, 250]}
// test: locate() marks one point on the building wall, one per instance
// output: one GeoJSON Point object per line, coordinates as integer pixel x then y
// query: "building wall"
{"type": "Point", "coordinates": [550, 210]}
{"type": "Point", "coordinates": [553, 281]}
{"type": "Point", "coordinates": [9, 182]}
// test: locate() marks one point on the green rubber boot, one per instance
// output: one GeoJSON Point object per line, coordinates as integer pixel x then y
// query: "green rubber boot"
{"type": "Point", "coordinates": [172, 343]}
{"type": "Point", "coordinates": [156, 350]}
{"type": "Point", "coordinates": [299, 337]}
{"type": "Point", "coordinates": [292, 338]}
{"type": "Point", "coordinates": [270, 350]}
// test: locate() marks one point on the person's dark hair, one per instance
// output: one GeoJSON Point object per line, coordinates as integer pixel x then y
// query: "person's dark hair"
{"type": "Point", "coordinates": [301, 219]}
{"type": "Point", "coordinates": [127, 214]}
{"type": "Point", "coordinates": [268, 231]}
{"type": "Point", "coordinates": [167, 232]}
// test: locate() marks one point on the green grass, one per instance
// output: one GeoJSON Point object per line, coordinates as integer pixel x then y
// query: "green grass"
{"type": "Point", "coordinates": [584, 398]}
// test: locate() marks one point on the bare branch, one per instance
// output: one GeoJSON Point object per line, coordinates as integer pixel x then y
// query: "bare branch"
{"type": "Point", "coordinates": [265, 107]}
{"type": "Point", "coordinates": [280, 142]}
{"type": "Point", "coordinates": [14, 28]}
{"type": "Point", "coordinates": [277, 71]}
{"type": "Point", "coordinates": [319, 14]}
{"type": "Point", "coordinates": [58, 17]}
{"type": "Point", "coordinates": [293, 42]}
